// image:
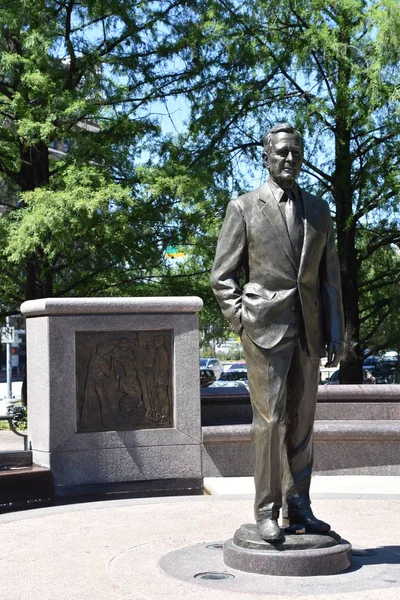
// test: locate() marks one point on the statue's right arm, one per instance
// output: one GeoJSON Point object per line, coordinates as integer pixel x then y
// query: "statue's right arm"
{"type": "Point", "coordinates": [229, 258]}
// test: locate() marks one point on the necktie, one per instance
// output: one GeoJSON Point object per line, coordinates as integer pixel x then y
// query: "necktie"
{"type": "Point", "coordinates": [294, 224]}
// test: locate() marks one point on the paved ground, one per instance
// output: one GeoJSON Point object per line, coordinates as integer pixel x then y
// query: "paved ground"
{"type": "Point", "coordinates": [322, 486]}
{"type": "Point", "coordinates": [16, 390]}
{"type": "Point", "coordinates": [153, 549]}
{"type": "Point", "coordinates": [9, 441]}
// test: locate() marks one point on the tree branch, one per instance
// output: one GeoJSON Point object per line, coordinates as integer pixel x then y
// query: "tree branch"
{"type": "Point", "coordinates": [372, 331]}
{"type": "Point", "coordinates": [5, 91]}
{"type": "Point", "coordinates": [377, 308]}
{"type": "Point", "coordinates": [373, 203]}
{"type": "Point", "coordinates": [70, 47]}
{"type": "Point", "coordinates": [379, 282]}
{"type": "Point", "coordinates": [322, 174]}
{"type": "Point", "coordinates": [376, 142]}
{"type": "Point", "coordinates": [372, 248]}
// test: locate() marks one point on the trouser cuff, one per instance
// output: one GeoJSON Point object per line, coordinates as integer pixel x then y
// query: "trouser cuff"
{"type": "Point", "coordinates": [270, 513]}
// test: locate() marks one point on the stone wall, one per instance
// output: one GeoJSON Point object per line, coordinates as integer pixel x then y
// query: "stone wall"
{"type": "Point", "coordinates": [357, 432]}
{"type": "Point", "coordinates": [113, 388]}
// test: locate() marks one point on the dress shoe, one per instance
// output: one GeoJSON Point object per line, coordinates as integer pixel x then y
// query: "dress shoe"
{"type": "Point", "coordinates": [305, 517]}
{"type": "Point", "coordinates": [269, 530]}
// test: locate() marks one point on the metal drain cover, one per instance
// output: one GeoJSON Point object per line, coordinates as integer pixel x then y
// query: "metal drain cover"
{"type": "Point", "coordinates": [214, 576]}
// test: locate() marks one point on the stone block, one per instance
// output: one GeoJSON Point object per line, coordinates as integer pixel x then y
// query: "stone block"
{"type": "Point", "coordinates": [358, 411]}
{"type": "Point", "coordinates": [346, 447]}
{"type": "Point", "coordinates": [91, 353]}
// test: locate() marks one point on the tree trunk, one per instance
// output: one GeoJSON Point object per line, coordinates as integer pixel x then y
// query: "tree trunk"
{"type": "Point", "coordinates": [34, 170]}
{"type": "Point", "coordinates": [34, 173]}
{"type": "Point", "coordinates": [351, 365]}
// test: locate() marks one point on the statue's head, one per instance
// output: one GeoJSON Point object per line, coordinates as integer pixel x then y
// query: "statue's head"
{"type": "Point", "coordinates": [124, 344]}
{"type": "Point", "coordinates": [135, 340]}
{"type": "Point", "coordinates": [283, 154]}
{"type": "Point", "coordinates": [159, 340]}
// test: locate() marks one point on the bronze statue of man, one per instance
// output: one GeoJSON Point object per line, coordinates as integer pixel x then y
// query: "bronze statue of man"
{"type": "Point", "coordinates": [276, 277]}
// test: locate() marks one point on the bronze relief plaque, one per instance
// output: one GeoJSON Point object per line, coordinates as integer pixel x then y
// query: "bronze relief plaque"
{"type": "Point", "coordinates": [123, 380]}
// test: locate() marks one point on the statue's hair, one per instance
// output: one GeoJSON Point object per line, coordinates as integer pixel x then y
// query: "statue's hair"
{"type": "Point", "coordinates": [281, 127]}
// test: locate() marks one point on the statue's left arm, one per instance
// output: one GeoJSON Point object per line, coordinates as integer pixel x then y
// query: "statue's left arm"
{"type": "Point", "coordinates": [332, 299]}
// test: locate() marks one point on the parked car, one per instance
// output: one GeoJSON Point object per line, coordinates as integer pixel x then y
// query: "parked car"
{"type": "Point", "coordinates": [238, 366]}
{"type": "Point", "coordinates": [391, 356]}
{"type": "Point", "coordinates": [230, 384]}
{"type": "Point", "coordinates": [214, 364]}
{"type": "Point", "coordinates": [207, 377]}
{"type": "Point", "coordinates": [386, 373]}
{"type": "Point", "coordinates": [389, 359]}
{"type": "Point", "coordinates": [234, 375]}
{"type": "Point", "coordinates": [372, 361]}
{"type": "Point", "coordinates": [367, 377]}
{"type": "Point", "coordinates": [235, 378]}
{"type": "Point", "coordinates": [384, 368]}
{"type": "Point", "coordinates": [325, 373]}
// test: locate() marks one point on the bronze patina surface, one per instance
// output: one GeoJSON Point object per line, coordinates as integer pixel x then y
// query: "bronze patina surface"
{"type": "Point", "coordinates": [124, 380]}
{"type": "Point", "coordinates": [276, 277]}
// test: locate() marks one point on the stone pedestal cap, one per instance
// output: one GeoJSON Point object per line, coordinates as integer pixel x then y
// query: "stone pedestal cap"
{"type": "Point", "coordinates": [110, 305]}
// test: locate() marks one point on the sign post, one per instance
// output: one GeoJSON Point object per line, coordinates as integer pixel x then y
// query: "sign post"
{"type": "Point", "coordinates": [7, 337]}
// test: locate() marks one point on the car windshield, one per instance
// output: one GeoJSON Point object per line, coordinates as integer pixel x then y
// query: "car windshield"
{"type": "Point", "coordinates": [220, 383]}
{"type": "Point", "coordinates": [235, 375]}
{"type": "Point", "coordinates": [239, 365]}
{"type": "Point", "coordinates": [203, 362]}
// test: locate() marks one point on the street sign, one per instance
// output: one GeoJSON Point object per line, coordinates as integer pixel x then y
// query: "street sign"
{"type": "Point", "coordinates": [7, 335]}
{"type": "Point", "coordinates": [173, 252]}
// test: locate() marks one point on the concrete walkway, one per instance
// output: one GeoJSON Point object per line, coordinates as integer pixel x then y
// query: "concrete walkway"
{"type": "Point", "coordinates": [10, 442]}
{"type": "Point", "coordinates": [15, 388]}
{"type": "Point", "coordinates": [152, 549]}
{"type": "Point", "coordinates": [351, 485]}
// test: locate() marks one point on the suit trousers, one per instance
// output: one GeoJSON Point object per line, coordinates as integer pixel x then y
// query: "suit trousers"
{"type": "Point", "coordinates": [283, 384]}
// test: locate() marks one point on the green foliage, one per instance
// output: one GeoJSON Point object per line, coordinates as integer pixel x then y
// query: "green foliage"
{"type": "Point", "coordinates": [90, 201]}
{"type": "Point", "coordinates": [332, 70]}
{"type": "Point", "coordinates": [20, 414]}
{"type": "Point", "coordinates": [92, 77]}
{"type": "Point", "coordinates": [79, 203]}
{"type": "Point", "coordinates": [380, 302]}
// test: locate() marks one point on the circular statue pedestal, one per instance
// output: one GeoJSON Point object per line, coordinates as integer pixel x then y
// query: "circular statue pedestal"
{"type": "Point", "coordinates": [297, 555]}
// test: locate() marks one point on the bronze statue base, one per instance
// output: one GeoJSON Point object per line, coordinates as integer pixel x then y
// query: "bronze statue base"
{"type": "Point", "coordinates": [296, 555]}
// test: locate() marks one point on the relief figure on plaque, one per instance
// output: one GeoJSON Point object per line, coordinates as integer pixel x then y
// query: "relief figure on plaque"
{"type": "Point", "coordinates": [161, 376]}
{"type": "Point", "coordinates": [95, 396]}
{"type": "Point", "coordinates": [150, 398]}
{"type": "Point", "coordinates": [123, 380]}
{"type": "Point", "coordinates": [125, 373]}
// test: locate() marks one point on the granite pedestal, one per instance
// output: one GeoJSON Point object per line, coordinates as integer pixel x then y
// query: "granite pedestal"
{"type": "Point", "coordinates": [296, 555]}
{"type": "Point", "coordinates": [114, 393]}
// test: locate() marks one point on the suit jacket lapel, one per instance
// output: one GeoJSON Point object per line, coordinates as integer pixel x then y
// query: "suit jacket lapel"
{"type": "Point", "coordinates": [272, 212]}
{"type": "Point", "coordinates": [310, 224]}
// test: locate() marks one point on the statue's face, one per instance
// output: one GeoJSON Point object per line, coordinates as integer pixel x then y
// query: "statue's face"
{"type": "Point", "coordinates": [284, 158]}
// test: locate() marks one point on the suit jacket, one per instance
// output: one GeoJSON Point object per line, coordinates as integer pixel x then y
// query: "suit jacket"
{"type": "Point", "coordinates": [259, 283]}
